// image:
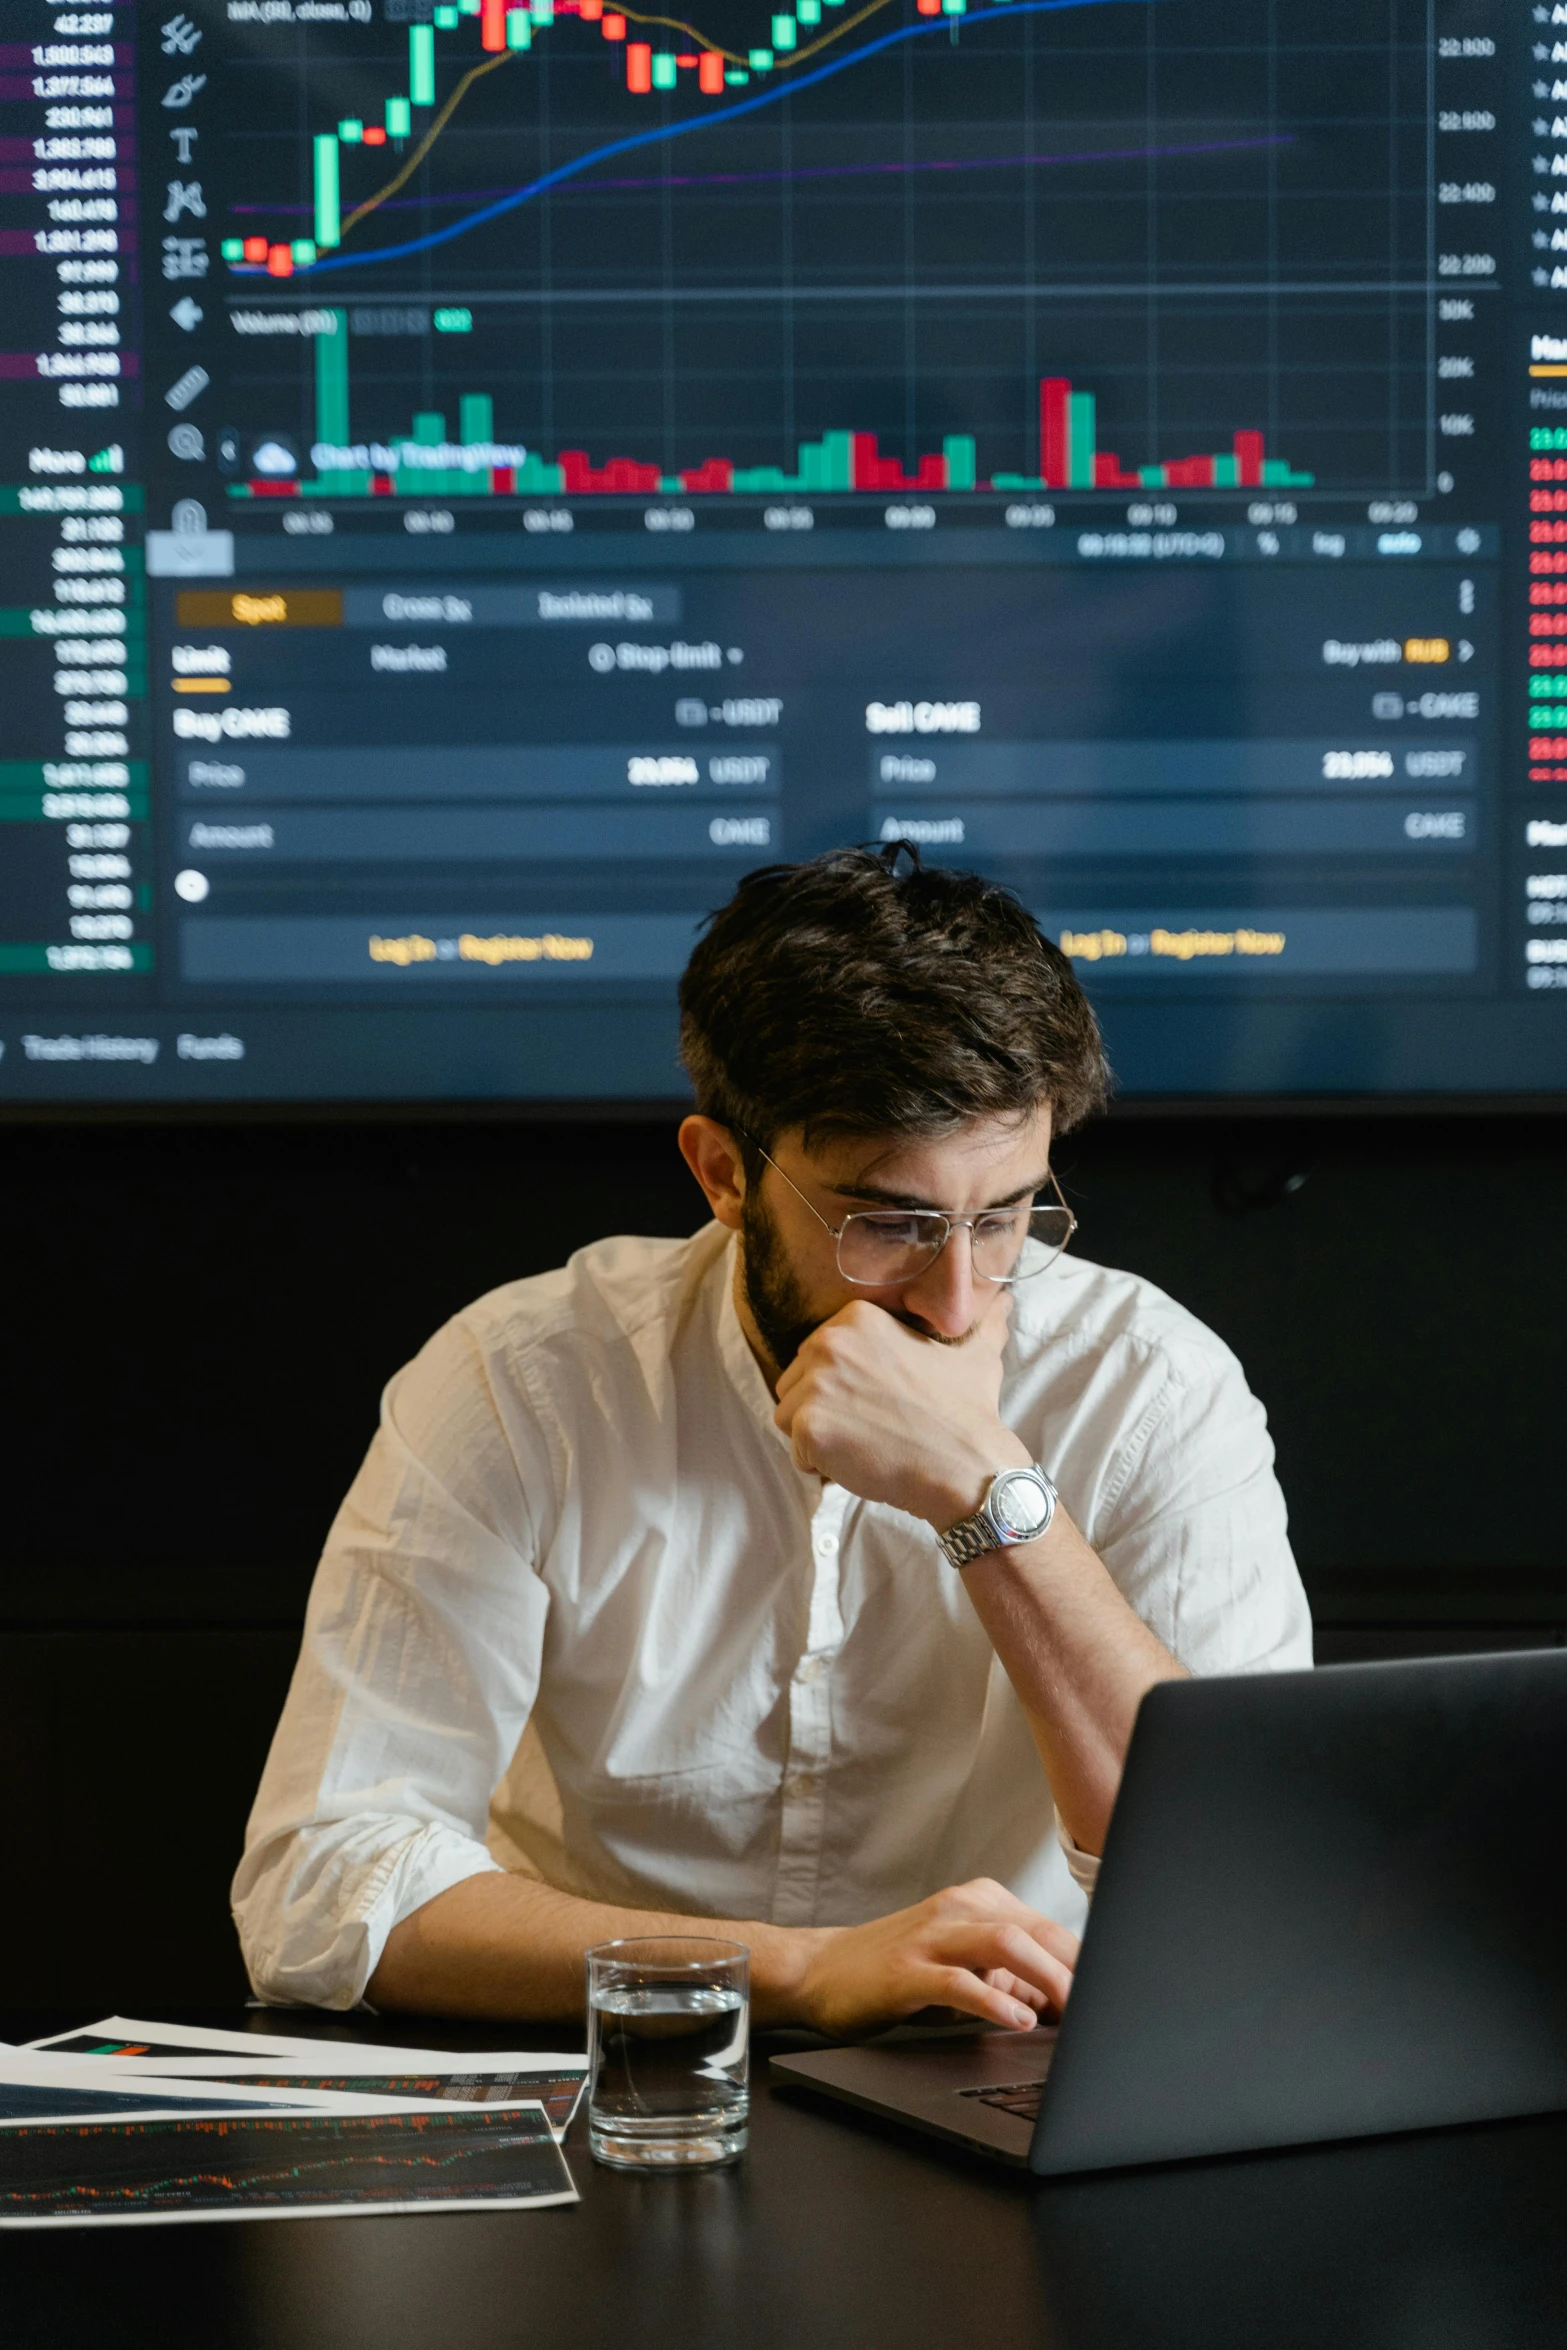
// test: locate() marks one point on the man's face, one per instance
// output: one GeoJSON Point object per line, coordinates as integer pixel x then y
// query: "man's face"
{"type": "Point", "coordinates": [789, 1261]}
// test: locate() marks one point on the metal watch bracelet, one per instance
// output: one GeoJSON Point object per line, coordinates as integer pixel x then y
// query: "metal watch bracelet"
{"type": "Point", "coordinates": [992, 1526]}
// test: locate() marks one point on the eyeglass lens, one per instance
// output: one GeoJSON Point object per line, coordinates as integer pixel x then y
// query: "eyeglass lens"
{"type": "Point", "coordinates": [896, 1245]}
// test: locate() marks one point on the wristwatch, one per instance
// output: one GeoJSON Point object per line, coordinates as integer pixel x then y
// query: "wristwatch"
{"type": "Point", "coordinates": [1018, 1508]}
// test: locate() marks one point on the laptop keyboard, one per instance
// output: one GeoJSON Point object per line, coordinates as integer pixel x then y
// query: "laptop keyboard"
{"type": "Point", "coordinates": [1018, 2097]}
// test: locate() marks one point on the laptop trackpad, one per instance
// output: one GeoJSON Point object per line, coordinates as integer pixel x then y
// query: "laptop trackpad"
{"type": "Point", "coordinates": [971, 2089]}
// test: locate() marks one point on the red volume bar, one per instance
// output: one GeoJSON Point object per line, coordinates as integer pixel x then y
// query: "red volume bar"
{"type": "Point", "coordinates": [873, 471]}
{"type": "Point", "coordinates": [1054, 393]}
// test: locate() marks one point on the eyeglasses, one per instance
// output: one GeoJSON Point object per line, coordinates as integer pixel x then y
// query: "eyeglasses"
{"type": "Point", "coordinates": [880, 1247]}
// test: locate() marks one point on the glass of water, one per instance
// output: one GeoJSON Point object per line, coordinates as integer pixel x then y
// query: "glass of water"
{"type": "Point", "coordinates": [668, 2051]}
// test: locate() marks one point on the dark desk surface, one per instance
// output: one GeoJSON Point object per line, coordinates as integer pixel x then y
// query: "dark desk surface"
{"type": "Point", "coordinates": [835, 2233]}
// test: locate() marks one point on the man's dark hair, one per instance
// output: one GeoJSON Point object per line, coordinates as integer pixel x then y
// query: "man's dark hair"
{"type": "Point", "coordinates": [866, 993]}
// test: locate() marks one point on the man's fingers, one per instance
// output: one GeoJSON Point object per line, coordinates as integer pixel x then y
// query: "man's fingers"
{"type": "Point", "coordinates": [1060, 1941]}
{"type": "Point", "coordinates": [960, 1987]}
{"type": "Point", "coordinates": [1002, 1979]}
{"type": "Point", "coordinates": [996, 1945]}
{"type": "Point", "coordinates": [984, 1902]}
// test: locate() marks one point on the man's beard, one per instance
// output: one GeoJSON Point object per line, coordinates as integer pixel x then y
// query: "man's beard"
{"type": "Point", "coordinates": [772, 1291]}
{"type": "Point", "coordinates": [776, 1300]}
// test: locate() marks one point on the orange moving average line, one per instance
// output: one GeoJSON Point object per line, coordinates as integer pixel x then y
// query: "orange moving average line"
{"type": "Point", "coordinates": [674, 24]}
{"type": "Point", "coordinates": [475, 73]}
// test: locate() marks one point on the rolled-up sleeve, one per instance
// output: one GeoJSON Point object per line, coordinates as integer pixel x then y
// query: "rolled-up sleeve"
{"type": "Point", "coordinates": [418, 1671]}
{"type": "Point", "coordinates": [1193, 1526]}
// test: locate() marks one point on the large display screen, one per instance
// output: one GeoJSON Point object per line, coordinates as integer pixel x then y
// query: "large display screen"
{"type": "Point", "coordinates": [477, 479]}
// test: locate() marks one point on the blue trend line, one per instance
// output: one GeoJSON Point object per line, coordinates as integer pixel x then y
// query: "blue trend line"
{"type": "Point", "coordinates": [696, 122]}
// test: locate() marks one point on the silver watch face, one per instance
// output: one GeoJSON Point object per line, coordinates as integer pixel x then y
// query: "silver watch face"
{"type": "Point", "coordinates": [1019, 1505]}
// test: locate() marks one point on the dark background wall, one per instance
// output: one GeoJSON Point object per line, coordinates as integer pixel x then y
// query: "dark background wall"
{"type": "Point", "coordinates": [195, 1324]}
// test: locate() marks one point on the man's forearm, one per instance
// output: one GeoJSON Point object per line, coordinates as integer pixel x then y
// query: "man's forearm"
{"type": "Point", "coordinates": [508, 1946]}
{"type": "Point", "coordinates": [1080, 1659]}
{"type": "Point", "coordinates": [872, 1405]}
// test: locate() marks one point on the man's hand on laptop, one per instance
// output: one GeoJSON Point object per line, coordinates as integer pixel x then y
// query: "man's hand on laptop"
{"type": "Point", "coordinates": [896, 1417]}
{"type": "Point", "coordinates": [973, 1947]}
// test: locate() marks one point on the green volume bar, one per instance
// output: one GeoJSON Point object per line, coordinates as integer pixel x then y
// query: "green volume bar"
{"type": "Point", "coordinates": [429, 431]}
{"type": "Point", "coordinates": [421, 64]}
{"type": "Point", "coordinates": [332, 382]}
{"type": "Point", "coordinates": [1080, 440]}
{"type": "Point", "coordinates": [475, 423]}
{"type": "Point", "coordinates": [958, 449]}
{"type": "Point", "coordinates": [329, 215]}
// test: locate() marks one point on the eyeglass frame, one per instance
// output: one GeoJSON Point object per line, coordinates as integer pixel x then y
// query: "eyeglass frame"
{"type": "Point", "coordinates": [952, 1223]}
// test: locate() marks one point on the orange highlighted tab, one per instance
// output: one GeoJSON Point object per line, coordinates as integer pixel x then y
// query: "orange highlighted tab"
{"type": "Point", "coordinates": [270, 608]}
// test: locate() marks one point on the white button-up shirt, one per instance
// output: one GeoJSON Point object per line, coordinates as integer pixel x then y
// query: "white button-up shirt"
{"type": "Point", "coordinates": [581, 1616]}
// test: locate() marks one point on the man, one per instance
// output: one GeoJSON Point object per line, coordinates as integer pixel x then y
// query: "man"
{"type": "Point", "coordinates": [727, 1578]}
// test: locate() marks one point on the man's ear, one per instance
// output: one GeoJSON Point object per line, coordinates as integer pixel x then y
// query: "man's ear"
{"type": "Point", "coordinates": [713, 1156]}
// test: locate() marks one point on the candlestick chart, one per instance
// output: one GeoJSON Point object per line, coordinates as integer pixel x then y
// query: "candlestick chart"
{"type": "Point", "coordinates": [487, 473]}
{"type": "Point", "coordinates": [1076, 246]}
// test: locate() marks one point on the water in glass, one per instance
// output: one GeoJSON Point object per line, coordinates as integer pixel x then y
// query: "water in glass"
{"type": "Point", "coordinates": [668, 2051]}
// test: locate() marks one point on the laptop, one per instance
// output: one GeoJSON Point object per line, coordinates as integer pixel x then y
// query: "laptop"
{"type": "Point", "coordinates": [1332, 1905]}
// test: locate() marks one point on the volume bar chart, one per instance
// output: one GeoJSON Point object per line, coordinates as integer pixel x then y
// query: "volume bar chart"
{"type": "Point", "coordinates": [1070, 459]}
{"type": "Point", "coordinates": [841, 462]}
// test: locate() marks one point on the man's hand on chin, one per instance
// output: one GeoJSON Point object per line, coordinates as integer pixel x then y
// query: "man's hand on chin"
{"type": "Point", "coordinates": [895, 1417]}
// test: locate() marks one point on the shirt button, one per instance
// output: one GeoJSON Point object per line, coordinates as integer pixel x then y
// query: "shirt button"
{"type": "Point", "coordinates": [811, 1669]}
{"type": "Point", "coordinates": [825, 1545]}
